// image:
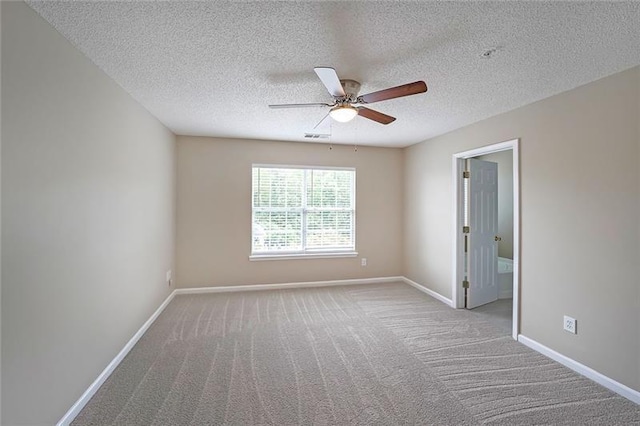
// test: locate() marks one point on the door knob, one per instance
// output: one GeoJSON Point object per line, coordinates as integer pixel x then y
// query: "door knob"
{"type": "Point", "coordinates": [498, 238]}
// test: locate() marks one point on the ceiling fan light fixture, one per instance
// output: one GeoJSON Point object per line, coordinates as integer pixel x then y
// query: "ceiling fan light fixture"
{"type": "Point", "coordinates": [343, 113]}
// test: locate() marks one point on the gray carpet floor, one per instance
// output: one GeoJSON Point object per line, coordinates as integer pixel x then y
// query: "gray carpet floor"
{"type": "Point", "coordinates": [499, 313]}
{"type": "Point", "coordinates": [382, 354]}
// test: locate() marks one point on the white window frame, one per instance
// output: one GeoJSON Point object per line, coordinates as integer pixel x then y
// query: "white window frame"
{"type": "Point", "coordinates": [306, 253]}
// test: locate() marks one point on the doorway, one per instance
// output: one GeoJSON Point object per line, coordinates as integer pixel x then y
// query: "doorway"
{"type": "Point", "coordinates": [460, 285]}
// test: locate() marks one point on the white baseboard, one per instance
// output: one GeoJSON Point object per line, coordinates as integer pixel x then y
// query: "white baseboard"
{"type": "Point", "coordinates": [255, 287]}
{"type": "Point", "coordinates": [86, 396]}
{"type": "Point", "coordinates": [590, 373]}
{"type": "Point", "coordinates": [431, 293]}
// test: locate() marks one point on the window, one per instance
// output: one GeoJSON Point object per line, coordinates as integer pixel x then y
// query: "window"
{"type": "Point", "coordinates": [303, 211]}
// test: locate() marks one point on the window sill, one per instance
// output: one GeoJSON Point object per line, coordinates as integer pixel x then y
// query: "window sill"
{"type": "Point", "coordinates": [328, 255]}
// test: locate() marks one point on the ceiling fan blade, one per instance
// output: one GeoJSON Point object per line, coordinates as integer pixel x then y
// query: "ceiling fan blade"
{"type": "Point", "coordinates": [394, 92]}
{"type": "Point", "coordinates": [313, 105]}
{"type": "Point", "coordinates": [375, 115]}
{"type": "Point", "coordinates": [330, 79]}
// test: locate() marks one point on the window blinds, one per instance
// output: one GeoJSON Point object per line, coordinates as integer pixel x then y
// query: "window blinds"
{"type": "Point", "coordinates": [301, 210]}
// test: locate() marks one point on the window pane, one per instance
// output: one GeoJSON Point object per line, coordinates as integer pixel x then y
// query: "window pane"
{"type": "Point", "coordinates": [329, 188]}
{"type": "Point", "coordinates": [281, 231]}
{"type": "Point", "coordinates": [277, 187]}
{"type": "Point", "coordinates": [329, 229]}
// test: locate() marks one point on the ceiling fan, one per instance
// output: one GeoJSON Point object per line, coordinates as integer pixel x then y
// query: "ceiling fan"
{"type": "Point", "coordinates": [346, 102]}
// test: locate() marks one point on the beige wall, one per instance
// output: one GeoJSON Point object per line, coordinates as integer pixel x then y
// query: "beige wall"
{"type": "Point", "coordinates": [504, 159]}
{"type": "Point", "coordinates": [87, 219]}
{"type": "Point", "coordinates": [580, 204]}
{"type": "Point", "coordinates": [213, 239]}
{"type": "Point", "coordinates": [88, 205]}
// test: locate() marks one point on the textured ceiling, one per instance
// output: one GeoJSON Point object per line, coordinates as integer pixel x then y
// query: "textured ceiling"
{"type": "Point", "coordinates": [211, 68]}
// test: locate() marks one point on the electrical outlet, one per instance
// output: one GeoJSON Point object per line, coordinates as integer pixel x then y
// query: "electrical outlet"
{"type": "Point", "coordinates": [363, 261]}
{"type": "Point", "coordinates": [570, 325]}
{"type": "Point", "coordinates": [169, 277]}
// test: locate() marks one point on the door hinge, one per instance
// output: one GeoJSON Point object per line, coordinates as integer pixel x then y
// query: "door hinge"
{"type": "Point", "coordinates": [465, 284]}
{"type": "Point", "coordinates": [465, 174]}
{"type": "Point", "coordinates": [465, 230]}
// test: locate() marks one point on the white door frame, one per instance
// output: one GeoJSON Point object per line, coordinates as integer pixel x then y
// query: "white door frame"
{"type": "Point", "coordinates": [457, 292]}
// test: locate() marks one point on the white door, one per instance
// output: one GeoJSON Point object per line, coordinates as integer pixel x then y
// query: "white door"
{"type": "Point", "coordinates": [482, 270]}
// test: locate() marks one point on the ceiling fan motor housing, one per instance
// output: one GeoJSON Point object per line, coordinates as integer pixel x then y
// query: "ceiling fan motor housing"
{"type": "Point", "coordinates": [351, 89]}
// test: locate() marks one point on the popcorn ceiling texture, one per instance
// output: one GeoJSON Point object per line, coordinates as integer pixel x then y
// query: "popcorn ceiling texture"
{"type": "Point", "coordinates": [211, 68]}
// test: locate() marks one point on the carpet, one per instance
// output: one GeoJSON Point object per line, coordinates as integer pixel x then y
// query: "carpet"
{"type": "Point", "coordinates": [383, 354]}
